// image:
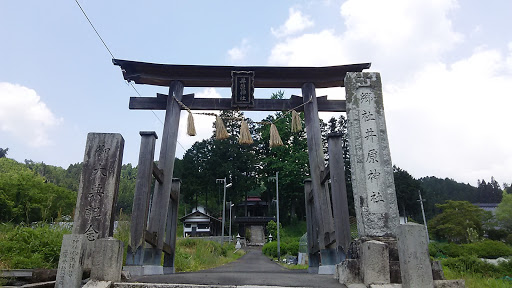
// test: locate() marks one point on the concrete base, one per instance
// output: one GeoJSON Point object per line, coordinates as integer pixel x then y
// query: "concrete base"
{"type": "Point", "coordinates": [145, 270]}
{"type": "Point", "coordinates": [134, 270]}
{"type": "Point", "coordinates": [327, 269]}
{"type": "Point", "coordinates": [153, 270]}
{"type": "Point", "coordinates": [169, 270]}
{"type": "Point", "coordinates": [313, 270]}
{"type": "Point", "coordinates": [356, 285]}
{"type": "Point", "coordinates": [98, 284]}
{"type": "Point", "coordinates": [386, 286]}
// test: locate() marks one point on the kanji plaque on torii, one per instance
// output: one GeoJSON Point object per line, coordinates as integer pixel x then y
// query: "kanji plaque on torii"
{"type": "Point", "coordinates": [242, 88]}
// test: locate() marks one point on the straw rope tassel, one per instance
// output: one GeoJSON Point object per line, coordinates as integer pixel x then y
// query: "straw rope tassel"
{"type": "Point", "coordinates": [221, 132]}
{"type": "Point", "coordinates": [191, 128]}
{"type": "Point", "coordinates": [245, 134]}
{"type": "Point", "coordinates": [296, 122]}
{"type": "Point", "coordinates": [275, 139]}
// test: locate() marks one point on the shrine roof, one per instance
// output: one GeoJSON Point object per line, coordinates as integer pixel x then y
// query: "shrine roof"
{"type": "Point", "coordinates": [220, 76]}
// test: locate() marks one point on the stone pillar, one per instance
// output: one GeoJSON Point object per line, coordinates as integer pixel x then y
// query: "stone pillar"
{"type": "Point", "coordinates": [375, 263]}
{"type": "Point", "coordinates": [162, 194]}
{"type": "Point", "coordinates": [99, 186]}
{"type": "Point", "coordinates": [339, 196]}
{"type": "Point", "coordinates": [107, 260]}
{"type": "Point", "coordinates": [322, 200]}
{"type": "Point", "coordinates": [372, 170]}
{"type": "Point", "coordinates": [135, 255]}
{"type": "Point", "coordinates": [415, 266]}
{"type": "Point", "coordinates": [72, 252]}
{"type": "Point", "coordinates": [172, 226]}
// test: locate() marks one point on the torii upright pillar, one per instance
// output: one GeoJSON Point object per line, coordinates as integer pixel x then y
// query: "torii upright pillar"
{"type": "Point", "coordinates": [321, 196]}
{"type": "Point", "coordinates": [162, 193]}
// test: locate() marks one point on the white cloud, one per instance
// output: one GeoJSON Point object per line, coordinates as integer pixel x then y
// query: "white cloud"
{"type": "Point", "coordinates": [25, 116]}
{"type": "Point", "coordinates": [296, 23]}
{"type": "Point", "coordinates": [444, 119]}
{"type": "Point", "coordinates": [453, 120]}
{"type": "Point", "coordinates": [397, 36]}
{"type": "Point", "coordinates": [324, 48]}
{"type": "Point", "coordinates": [239, 52]}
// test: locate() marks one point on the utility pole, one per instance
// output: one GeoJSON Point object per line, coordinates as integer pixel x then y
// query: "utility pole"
{"type": "Point", "coordinates": [223, 207]}
{"type": "Point", "coordinates": [277, 204]}
{"type": "Point", "coordinates": [423, 212]}
{"type": "Point", "coordinates": [230, 222]}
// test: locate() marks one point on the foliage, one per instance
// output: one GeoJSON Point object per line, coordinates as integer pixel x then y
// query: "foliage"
{"type": "Point", "coordinates": [270, 249]}
{"type": "Point", "coordinates": [28, 197]}
{"type": "Point", "coordinates": [476, 280]}
{"type": "Point", "coordinates": [436, 191]}
{"type": "Point", "coordinates": [272, 229]}
{"type": "Point", "coordinates": [288, 246]}
{"type": "Point", "coordinates": [407, 193]}
{"type": "Point", "coordinates": [212, 159]}
{"type": "Point", "coordinates": [292, 248]}
{"type": "Point", "coordinates": [197, 254]}
{"type": "Point", "coordinates": [473, 265]}
{"type": "Point", "coordinates": [23, 247]}
{"type": "Point", "coordinates": [456, 221]}
{"type": "Point", "coordinates": [504, 212]}
{"type": "Point", "coordinates": [497, 234]}
{"type": "Point", "coordinates": [488, 192]}
{"type": "Point", "coordinates": [3, 152]}
{"type": "Point", "coordinates": [126, 189]}
{"type": "Point", "coordinates": [481, 249]}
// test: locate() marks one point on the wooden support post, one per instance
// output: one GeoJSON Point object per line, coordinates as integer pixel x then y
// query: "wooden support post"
{"type": "Point", "coordinates": [161, 196]}
{"type": "Point", "coordinates": [316, 164]}
{"type": "Point", "coordinates": [339, 195]}
{"type": "Point", "coordinates": [140, 208]}
{"type": "Point", "coordinates": [312, 227]}
{"type": "Point", "coordinates": [172, 226]}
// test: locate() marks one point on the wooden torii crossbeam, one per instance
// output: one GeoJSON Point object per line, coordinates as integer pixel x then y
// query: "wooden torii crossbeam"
{"type": "Point", "coordinates": [220, 76]}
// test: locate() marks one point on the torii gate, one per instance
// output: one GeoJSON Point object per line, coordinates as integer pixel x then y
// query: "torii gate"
{"type": "Point", "coordinates": [328, 236]}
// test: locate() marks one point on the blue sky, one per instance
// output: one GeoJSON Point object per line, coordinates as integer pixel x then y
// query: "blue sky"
{"type": "Point", "coordinates": [446, 67]}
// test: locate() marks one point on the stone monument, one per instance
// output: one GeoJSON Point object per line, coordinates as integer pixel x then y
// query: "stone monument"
{"type": "Point", "coordinates": [372, 171]}
{"type": "Point", "coordinates": [70, 269]}
{"type": "Point", "coordinates": [99, 185]}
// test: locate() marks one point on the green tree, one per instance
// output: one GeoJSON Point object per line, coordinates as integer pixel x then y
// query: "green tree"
{"type": "Point", "coordinates": [28, 197]}
{"type": "Point", "coordinates": [459, 221]}
{"type": "Point", "coordinates": [3, 152]}
{"type": "Point", "coordinates": [407, 194]}
{"type": "Point", "coordinates": [504, 212]}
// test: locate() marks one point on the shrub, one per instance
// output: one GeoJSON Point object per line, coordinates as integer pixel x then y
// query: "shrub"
{"type": "Point", "coordinates": [25, 247]}
{"type": "Point", "coordinates": [488, 249]}
{"type": "Point", "coordinates": [482, 249]}
{"type": "Point", "coordinates": [293, 248]}
{"type": "Point", "coordinates": [497, 234]}
{"type": "Point", "coordinates": [471, 265]}
{"type": "Point", "coordinates": [508, 240]}
{"type": "Point", "coordinates": [270, 249]}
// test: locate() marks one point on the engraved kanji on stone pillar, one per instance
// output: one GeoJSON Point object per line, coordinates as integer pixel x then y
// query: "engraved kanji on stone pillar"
{"type": "Point", "coordinates": [99, 185]}
{"type": "Point", "coordinates": [372, 170]}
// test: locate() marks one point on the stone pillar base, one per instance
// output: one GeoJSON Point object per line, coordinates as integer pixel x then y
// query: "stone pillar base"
{"type": "Point", "coordinates": [152, 270]}
{"type": "Point", "coordinates": [327, 269]}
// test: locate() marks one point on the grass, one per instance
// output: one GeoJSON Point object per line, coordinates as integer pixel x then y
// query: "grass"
{"type": "Point", "coordinates": [25, 247]}
{"type": "Point", "coordinates": [295, 267]}
{"type": "Point", "coordinates": [475, 280]}
{"type": "Point", "coordinates": [196, 254]}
